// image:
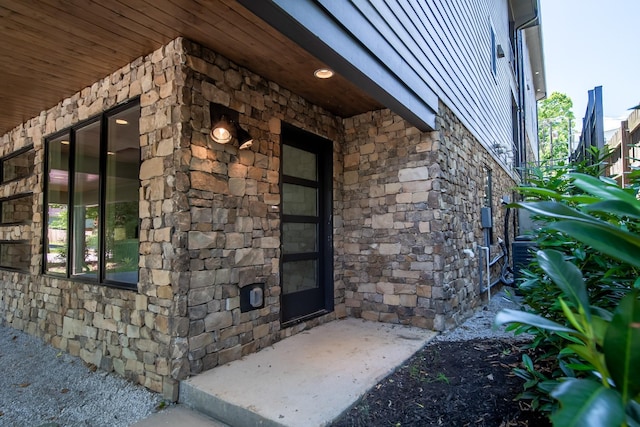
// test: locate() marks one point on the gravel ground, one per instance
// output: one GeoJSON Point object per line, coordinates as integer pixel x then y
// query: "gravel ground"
{"type": "Point", "coordinates": [40, 386]}
{"type": "Point", "coordinates": [480, 325]}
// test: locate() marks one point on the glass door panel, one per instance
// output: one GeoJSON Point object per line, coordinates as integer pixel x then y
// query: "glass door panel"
{"type": "Point", "coordinates": [306, 225]}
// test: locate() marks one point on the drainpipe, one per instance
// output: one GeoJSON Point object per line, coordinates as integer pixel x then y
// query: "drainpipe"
{"type": "Point", "coordinates": [521, 84]}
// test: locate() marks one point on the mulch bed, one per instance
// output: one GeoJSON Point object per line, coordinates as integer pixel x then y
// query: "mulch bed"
{"type": "Point", "coordinates": [462, 383]}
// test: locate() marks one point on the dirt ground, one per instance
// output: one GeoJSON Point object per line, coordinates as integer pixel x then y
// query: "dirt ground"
{"type": "Point", "coordinates": [457, 383]}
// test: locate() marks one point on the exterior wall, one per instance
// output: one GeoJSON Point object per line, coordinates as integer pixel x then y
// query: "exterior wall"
{"type": "Point", "coordinates": [122, 330]}
{"type": "Point", "coordinates": [406, 205]}
{"type": "Point", "coordinates": [208, 225]}
{"type": "Point", "coordinates": [411, 206]}
{"type": "Point", "coordinates": [229, 221]}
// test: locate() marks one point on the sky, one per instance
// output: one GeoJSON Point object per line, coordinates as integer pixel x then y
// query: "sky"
{"type": "Point", "coordinates": [589, 43]}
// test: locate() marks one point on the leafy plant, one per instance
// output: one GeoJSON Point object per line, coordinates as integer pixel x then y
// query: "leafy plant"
{"type": "Point", "coordinates": [582, 294]}
{"type": "Point", "coordinates": [609, 347]}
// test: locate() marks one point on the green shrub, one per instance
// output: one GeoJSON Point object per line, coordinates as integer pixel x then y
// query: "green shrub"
{"type": "Point", "coordinates": [582, 298]}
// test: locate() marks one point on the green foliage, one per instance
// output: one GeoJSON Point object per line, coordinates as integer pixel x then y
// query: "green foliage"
{"type": "Point", "coordinates": [582, 294]}
{"type": "Point", "coordinates": [554, 118]}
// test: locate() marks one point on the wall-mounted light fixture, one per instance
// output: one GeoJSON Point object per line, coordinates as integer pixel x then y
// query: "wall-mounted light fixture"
{"type": "Point", "coordinates": [225, 127]}
{"type": "Point", "coordinates": [500, 51]}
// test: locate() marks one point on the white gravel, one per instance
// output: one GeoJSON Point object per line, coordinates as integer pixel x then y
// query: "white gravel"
{"type": "Point", "coordinates": [480, 325]}
{"type": "Point", "coordinates": [41, 386]}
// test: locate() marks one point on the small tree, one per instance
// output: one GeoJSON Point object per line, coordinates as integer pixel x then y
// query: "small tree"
{"type": "Point", "coordinates": [555, 119]}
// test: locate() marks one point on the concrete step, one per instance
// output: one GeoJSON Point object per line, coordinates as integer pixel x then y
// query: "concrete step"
{"type": "Point", "coordinates": [309, 379]}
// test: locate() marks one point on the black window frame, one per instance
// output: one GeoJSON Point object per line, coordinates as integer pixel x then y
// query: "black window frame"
{"type": "Point", "coordinates": [102, 119]}
{"type": "Point", "coordinates": [16, 243]}
{"type": "Point", "coordinates": [494, 51]}
{"type": "Point", "coordinates": [13, 155]}
{"type": "Point", "coordinates": [9, 199]}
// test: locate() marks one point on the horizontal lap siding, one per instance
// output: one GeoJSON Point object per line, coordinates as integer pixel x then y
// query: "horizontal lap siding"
{"type": "Point", "coordinates": [446, 47]}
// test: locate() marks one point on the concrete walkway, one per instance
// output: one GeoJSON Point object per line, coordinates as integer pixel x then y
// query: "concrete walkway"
{"type": "Point", "coordinates": [307, 380]}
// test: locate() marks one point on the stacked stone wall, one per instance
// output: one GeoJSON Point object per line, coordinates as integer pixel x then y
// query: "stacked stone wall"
{"type": "Point", "coordinates": [127, 331]}
{"type": "Point", "coordinates": [230, 208]}
{"type": "Point", "coordinates": [405, 204]}
{"type": "Point", "coordinates": [411, 207]}
{"type": "Point", "coordinates": [464, 161]}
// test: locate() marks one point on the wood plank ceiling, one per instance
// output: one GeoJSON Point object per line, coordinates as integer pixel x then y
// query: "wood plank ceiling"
{"type": "Point", "coordinates": [51, 49]}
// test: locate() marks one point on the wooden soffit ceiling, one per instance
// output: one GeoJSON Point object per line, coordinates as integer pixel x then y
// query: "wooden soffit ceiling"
{"type": "Point", "coordinates": [52, 49]}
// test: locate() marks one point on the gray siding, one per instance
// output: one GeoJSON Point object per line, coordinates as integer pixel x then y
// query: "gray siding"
{"type": "Point", "coordinates": [446, 46]}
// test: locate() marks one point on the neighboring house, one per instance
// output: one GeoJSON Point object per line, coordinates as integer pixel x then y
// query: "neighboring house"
{"type": "Point", "coordinates": [625, 149]}
{"type": "Point", "coordinates": [132, 239]}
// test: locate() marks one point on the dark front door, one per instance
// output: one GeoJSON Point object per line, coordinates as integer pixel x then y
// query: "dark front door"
{"type": "Point", "coordinates": [306, 269]}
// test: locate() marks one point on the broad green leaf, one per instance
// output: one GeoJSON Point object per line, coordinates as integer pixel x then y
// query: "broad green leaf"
{"type": "Point", "coordinates": [586, 403]}
{"type": "Point", "coordinates": [580, 199]}
{"type": "Point", "coordinates": [605, 238]}
{"type": "Point", "coordinates": [510, 316]}
{"type": "Point", "coordinates": [598, 188]}
{"type": "Point", "coordinates": [555, 210]}
{"type": "Point", "coordinates": [616, 207]}
{"type": "Point", "coordinates": [622, 346]}
{"type": "Point", "coordinates": [567, 277]}
{"type": "Point", "coordinates": [538, 191]}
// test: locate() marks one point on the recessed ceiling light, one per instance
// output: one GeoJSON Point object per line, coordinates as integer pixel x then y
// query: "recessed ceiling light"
{"type": "Point", "coordinates": [122, 122]}
{"type": "Point", "coordinates": [111, 153]}
{"type": "Point", "coordinates": [64, 142]}
{"type": "Point", "coordinates": [323, 73]}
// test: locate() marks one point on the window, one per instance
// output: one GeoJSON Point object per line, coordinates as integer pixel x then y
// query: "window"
{"type": "Point", "coordinates": [17, 165]}
{"type": "Point", "coordinates": [92, 192]}
{"type": "Point", "coordinates": [15, 255]}
{"type": "Point", "coordinates": [16, 209]}
{"type": "Point", "coordinates": [494, 52]}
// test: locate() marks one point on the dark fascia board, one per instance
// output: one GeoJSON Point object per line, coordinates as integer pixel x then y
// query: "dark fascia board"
{"type": "Point", "coordinates": [310, 25]}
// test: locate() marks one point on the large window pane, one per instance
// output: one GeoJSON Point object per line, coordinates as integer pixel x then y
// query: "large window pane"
{"type": "Point", "coordinates": [57, 200]}
{"type": "Point", "coordinates": [299, 275]}
{"type": "Point", "coordinates": [86, 192]}
{"type": "Point", "coordinates": [121, 198]}
{"type": "Point", "coordinates": [18, 166]}
{"type": "Point", "coordinates": [299, 163]}
{"type": "Point", "coordinates": [299, 200]}
{"type": "Point", "coordinates": [92, 194]}
{"type": "Point", "coordinates": [15, 255]}
{"type": "Point", "coordinates": [299, 238]}
{"type": "Point", "coordinates": [16, 210]}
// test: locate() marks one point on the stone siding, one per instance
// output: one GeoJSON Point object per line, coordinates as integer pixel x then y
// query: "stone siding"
{"type": "Point", "coordinates": [411, 206]}
{"type": "Point", "coordinates": [229, 202]}
{"type": "Point", "coordinates": [129, 332]}
{"type": "Point", "coordinates": [405, 207]}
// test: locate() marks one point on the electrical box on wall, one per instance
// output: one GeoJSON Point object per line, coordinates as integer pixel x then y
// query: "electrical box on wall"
{"type": "Point", "coordinates": [485, 217]}
{"type": "Point", "coordinates": [251, 297]}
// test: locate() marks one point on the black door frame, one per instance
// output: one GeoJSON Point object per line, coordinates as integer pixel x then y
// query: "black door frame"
{"type": "Point", "coordinates": [292, 304]}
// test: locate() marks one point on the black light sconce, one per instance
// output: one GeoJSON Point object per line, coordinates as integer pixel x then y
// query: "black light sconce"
{"type": "Point", "coordinates": [500, 51]}
{"type": "Point", "coordinates": [225, 127]}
